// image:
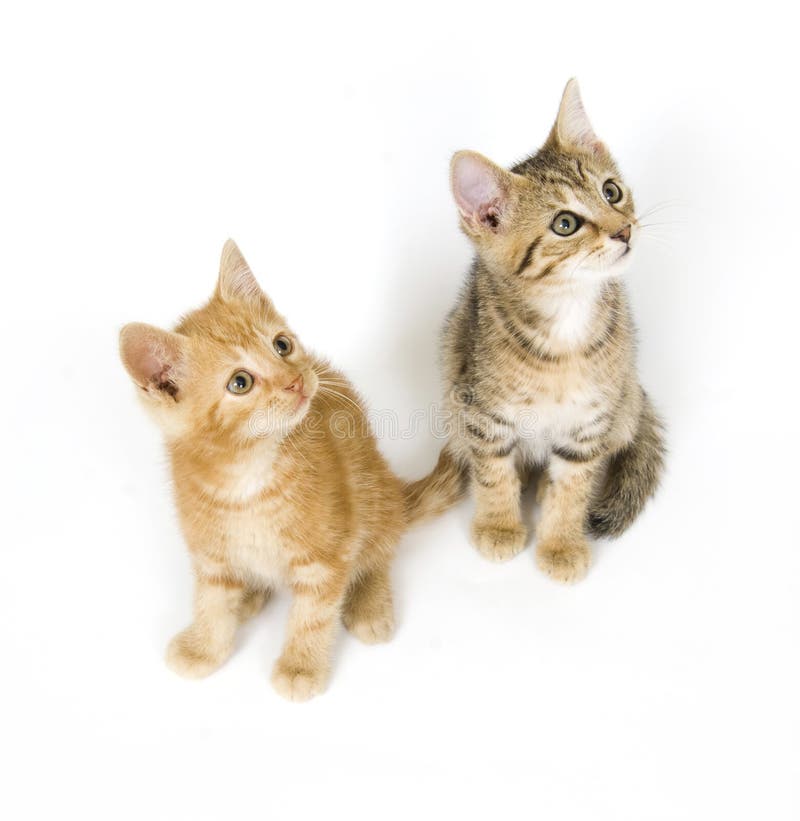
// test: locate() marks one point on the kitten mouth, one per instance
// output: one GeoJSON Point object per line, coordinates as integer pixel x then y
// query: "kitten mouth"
{"type": "Point", "coordinates": [624, 254]}
{"type": "Point", "coordinates": [302, 404]}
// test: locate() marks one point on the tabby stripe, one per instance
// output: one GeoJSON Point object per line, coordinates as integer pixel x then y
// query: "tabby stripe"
{"type": "Point", "coordinates": [605, 336]}
{"type": "Point", "coordinates": [223, 581]}
{"type": "Point", "coordinates": [493, 454]}
{"type": "Point", "coordinates": [581, 437]}
{"type": "Point", "coordinates": [548, 269]}
{"type": "Point", "coordinates": [578, 430]}
{"type": "Point", "coordinates": [526, 260]}
{"type": "Point", "coordinates": [482, 434]}
{"type": "Point", "coordinates": [590, 439]}
{"type": "Point", "coordinates": [476, 432]}
{"type": "Point", "coordinates": [525, 355]}
{"type": "Point", "coordinates": [303, 561]}
{"type": "Point", "coordinates": [209, 500]}
{"type": "Point", "coordinates": [498, 420]}
{"type": "Point", "coordinates": [531, 347]}
{"type": "Point", "coordinates": [506, 450]}
{"type": "Point", "coordinates": [473, 303]}
{"type": "Point", "coordinates": [556, 180]}
{"type": "Point", "coordinates": [571, 455]}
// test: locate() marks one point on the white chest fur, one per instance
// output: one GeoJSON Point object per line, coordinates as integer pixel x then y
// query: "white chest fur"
{"type": "Point", "coordinates": [546, 422]}
{"type": "Point", "coordinates": [570, 314]}
{"type": "Point", "coordinates": [245, 517]}
{"type": "Point", "coordinates": [559, 402]}
{"type": "Point", "coordinates": [247, 477]}
{"type": "Point", "coordinates": [254, 547]}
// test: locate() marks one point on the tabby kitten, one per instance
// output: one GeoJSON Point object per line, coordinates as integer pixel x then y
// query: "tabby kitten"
{"type": "Point", "coordinates": [278, 480]}
{"type": "Point", "coordinates": [539, 352]}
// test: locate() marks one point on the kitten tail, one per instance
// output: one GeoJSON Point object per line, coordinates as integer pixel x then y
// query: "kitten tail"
{"type": "Point", "coordinates": [438, 491]}
{"type": "Point", "coordinates": [633, 476]}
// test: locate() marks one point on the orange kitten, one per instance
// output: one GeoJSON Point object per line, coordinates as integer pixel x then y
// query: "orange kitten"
{"type": "Point", "coordinates": [278, 480]}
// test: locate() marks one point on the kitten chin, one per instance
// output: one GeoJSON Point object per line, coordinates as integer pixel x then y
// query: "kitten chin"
{"type": "Point", "coordinates": [614, 262]}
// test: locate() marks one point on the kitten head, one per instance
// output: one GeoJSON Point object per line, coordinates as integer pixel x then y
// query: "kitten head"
{"type": "Point", "coordinates": [562, 215]}
{"type": "Point", "coordinates": [230, 372]}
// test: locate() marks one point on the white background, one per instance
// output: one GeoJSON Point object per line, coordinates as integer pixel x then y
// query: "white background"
{"type": "Point", "coordinates": [135, 139]}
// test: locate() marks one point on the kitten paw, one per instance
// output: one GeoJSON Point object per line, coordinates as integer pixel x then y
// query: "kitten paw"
{"type": "Point", "coordinates": [187, 656]}
{"type": "Point", "coordinates": [498, 544]}
{"type": "Point", "coordinates": [565, 562]}
{"type": "Point", "coordinates": [368, 612]}
{"type": "Point", "coordinates": [297, 683]}
{"type": "Point", "coordinates": [370, 631]}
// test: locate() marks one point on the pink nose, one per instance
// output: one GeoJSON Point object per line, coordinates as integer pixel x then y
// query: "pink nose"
{"type": "Point", "coordinates": [296, 386]}
{"type": "Point", "coordinates": [624, 234]}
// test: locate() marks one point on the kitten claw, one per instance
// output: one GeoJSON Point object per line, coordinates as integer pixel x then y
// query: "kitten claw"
{"type": "Point", "coordinates": [566, 562]}
{"type": "Point", "coordinates": [498, 544]}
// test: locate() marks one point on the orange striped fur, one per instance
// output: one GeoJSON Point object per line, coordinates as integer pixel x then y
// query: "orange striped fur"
{"type": "Point", "coordinates": [270, 488]}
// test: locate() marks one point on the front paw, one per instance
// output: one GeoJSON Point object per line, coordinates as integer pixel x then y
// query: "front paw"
{"type": "Point", "coordinates": [190, 656]}
{"type": "Point", "coordinates": [296, 681]}
{"type": "Point", "coordinates": [564, 561]}
{"type": "Point", "coordinates": [370, 630]}
{"type": "Point", "coordinates": [497, 542]}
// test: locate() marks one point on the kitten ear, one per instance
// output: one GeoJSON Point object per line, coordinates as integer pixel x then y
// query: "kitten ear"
{"type": "Point", "coordinates": [154, 359]}
{"type": "Point", "coordinates": [236, 280]}
{"type": "Point", "coordinates": [481, 190]}
{"type": "Point", "coordinates": [572, 128]}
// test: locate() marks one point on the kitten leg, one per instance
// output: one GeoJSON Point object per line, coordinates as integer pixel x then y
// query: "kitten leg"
{"type": "Point", "coordinates": [252, 603]}
{"type": "Point", "coordinates": [303, 668]}
{"type": "Point", "coordinates": [562, 549]}
{"type": "Point", "coordinates": [368, 612]}
{"type": "Point", "coordinates": [541, 488]}
{"type": "Point", "coordinates": [497, 529]}
{"type": "Point", "coordinates": [220, 604]}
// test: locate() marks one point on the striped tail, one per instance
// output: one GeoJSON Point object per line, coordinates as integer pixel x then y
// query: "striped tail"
{"type": "Point", "coordinates": [438, 491]}
{"type": "Point", "coordinates": [633, 476]}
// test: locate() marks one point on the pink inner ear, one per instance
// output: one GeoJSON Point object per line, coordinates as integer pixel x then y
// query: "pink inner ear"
{"type": "Point", "coordinates": [150, 357]}
{"type": "Point", "coordinates": [476, 190]}
{"type": "Point", "coordinates": [141, 359]}
{"type": "Point", "coordinates": [159, 374]}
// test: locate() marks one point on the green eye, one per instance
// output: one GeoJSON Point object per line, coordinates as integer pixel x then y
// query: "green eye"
{"type": "Point", "coordinates": [566, 223]}
{"type": "Point", "coordinates": [283, 345]}
{"type": "Point", "coordinates": [611, 191]}
{"type": "Point", "coordinates": [240, 383]}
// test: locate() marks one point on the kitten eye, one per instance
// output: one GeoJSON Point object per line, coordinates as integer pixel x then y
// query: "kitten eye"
{"type": "Point", "coordinates": [283, 345]}
{"type": "Point", "coordinates": [240, 383]}
{"type": "Point", "coordinates": [611, 191]}
{"type": "Point", "coordinates": [566, 223]}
